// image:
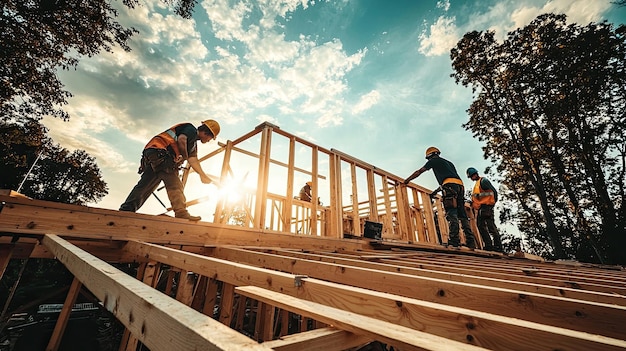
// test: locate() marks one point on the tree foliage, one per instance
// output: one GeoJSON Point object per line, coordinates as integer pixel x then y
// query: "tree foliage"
{"type": "Point", "coordinates": [40, 36]}
{"type": "Point", "coordinates": [57, 175]}
{"type": "Point", "coordinates": [550, 106]}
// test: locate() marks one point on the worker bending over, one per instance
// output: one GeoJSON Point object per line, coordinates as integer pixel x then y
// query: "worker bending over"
{"type": "Point", "coordinates": [161, 159]}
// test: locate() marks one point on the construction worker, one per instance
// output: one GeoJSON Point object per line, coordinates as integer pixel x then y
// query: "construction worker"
{"type": "Point", "coordinates": [453, 190]}
{"type": "Point", "coordinates": [484, 198]}
{"type": "Point", "coordinates": [305, 192]}
{"type": "Point", "coordinates": [161, 159]}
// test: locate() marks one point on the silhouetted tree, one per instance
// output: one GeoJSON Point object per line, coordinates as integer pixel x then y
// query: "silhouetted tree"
{"type": "Point", "coordinates": [58, 175]}
{"type": "Point", "coordinates": [37, 37]}
{"type": "Point", "coordinates": [550, 106]}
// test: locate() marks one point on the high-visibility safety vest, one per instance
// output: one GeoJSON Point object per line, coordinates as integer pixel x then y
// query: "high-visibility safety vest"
{"type": "Point", "coordinates": [165, 139]}
{"type": "Point", "coordinates": [481, 196]}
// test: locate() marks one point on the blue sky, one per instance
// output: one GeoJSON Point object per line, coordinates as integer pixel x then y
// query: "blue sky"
{"type": "Point", "coordinates": [370, 78]}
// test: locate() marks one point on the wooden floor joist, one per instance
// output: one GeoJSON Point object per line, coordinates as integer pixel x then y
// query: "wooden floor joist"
{"type": "Point", "coordinates": [158, 321]}
{"type": "Point", "coordinates": [400, 337]}
{"type": "Point", "coordinates": [283, 281]}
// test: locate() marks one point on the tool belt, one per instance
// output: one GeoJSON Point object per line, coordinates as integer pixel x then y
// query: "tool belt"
{"type": "Point", "coordinates": [160, 160]}
{"type": "Point", "coordinates": [450, 195]}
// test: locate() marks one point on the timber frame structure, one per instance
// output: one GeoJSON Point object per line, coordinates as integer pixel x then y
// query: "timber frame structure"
{"type": "Point", "coordinates": [272, 272]}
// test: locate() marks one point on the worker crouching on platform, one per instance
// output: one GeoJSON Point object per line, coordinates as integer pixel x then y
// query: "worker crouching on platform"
{"type": "Point", "coordinates": [305, 192]}
{"type": "Point", "coordinates": [453, 195]}
{"type": "Point", "coordinates": [161, 160]}
{"type": "Point", "coordinates": [484, 198]}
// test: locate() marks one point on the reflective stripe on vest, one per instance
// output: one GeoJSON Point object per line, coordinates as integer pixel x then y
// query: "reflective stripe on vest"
{"type": "Point", "coordinates": [165, 139]}
{"type": "Point", "coordinates": [481, 196]}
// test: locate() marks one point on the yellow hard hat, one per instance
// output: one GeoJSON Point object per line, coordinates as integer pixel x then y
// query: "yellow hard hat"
{"type": "Point", "coordinates": [432, 151]}
{"type": "Point", "coordinates": [309, 183]}
{"type": "Point", "coordinates": [213, 126]}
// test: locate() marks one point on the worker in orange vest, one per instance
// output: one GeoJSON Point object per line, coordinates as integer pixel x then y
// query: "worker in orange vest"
{"type": "Point", "coordinates": [484, 198]}
{"type": "Point", "coordinates": [161, 160]}
{"type": "Point", "coordinates": [305, 192]}
{"type": "Point", "coordinates": [453, 195]}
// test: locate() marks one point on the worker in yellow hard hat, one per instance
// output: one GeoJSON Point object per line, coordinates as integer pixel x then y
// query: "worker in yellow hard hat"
{"type": "Point", "coordinates": [453, 195]}
{"type": "Point", "coordinates": [305, 192]}
{"type": "Point", "coordinates": [161, 159]}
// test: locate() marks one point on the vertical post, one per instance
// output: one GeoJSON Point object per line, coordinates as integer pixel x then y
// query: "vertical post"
{"type": "Point", "coordinates": [261, 191]}
{"type": "Point", "coordinates": [228, 298]}
{"type": "Point", "coordinates": [315, 190]}
{"type": "Point", "coordinates": [403, 213]}
{"type": "Point", "coordinates": [388, 222]}
{"type": "Point", "coordinates": [356, 221]}
{"type": "Point", "coordinates": [371, 192]}
{"type": "Point", "coordinates": [290, 178]}
{"type": "Point", "coordinates": [219, 208]}
{"type": "Point", "coordinates": [336, 210]}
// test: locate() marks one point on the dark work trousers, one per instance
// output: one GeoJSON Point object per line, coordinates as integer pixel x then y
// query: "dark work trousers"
{"type": "Point", "coordinates": [454, 204]}
{"type": "Point", "coordinates": [487, 228]}
{"type": "Point", "coordinates": [158, 165]}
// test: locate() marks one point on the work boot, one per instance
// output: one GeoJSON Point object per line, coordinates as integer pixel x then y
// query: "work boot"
{"type": "Point", "coordinates": [186, 215]}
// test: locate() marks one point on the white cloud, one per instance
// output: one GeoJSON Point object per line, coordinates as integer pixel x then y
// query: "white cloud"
{"type": "Point", "coordinates": [368, 100]}
{"type": "Point", "coordinates": [503, 17]}
{"type": "Point", "coordinates": [440, 37]}
{"type": "Point", "coordinates": [577, 11]}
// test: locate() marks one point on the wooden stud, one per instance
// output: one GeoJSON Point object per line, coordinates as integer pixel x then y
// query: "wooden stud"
{"type": "Point", "coordinates": [64, 316]}
{"type": "Point", "coordinates": [226, 304]}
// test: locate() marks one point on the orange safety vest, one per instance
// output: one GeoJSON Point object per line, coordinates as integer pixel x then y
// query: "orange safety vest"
{"type": "Point", "coordinates": [165, 139]}
{"type": "Point", "coordinates": [481, 196]}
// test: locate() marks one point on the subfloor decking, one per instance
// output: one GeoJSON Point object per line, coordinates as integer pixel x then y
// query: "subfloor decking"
{"type": "Point", "coordinates": [207, 286]}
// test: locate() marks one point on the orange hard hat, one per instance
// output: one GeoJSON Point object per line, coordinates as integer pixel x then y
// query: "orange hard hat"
{"type": "Point", "coordinates": [213, 126]}
{"type": "Point", "coordinates": [432, 151]}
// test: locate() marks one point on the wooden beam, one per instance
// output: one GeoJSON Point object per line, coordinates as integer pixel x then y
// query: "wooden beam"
{"type": "Point", "coordinates": [460, 324]}
{"type": "Point", "coordinates": [74, 221]}
{"type": "Point", "coordinates": [161, 322]}
{"type": "Point", "coordinates": [352, 270]}
{"type": "Point", "coordinates": [327, 339]}
{"type": "Point", "coordinates": [405, 338]}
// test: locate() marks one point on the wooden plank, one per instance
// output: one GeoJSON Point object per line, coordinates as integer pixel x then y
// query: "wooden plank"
{"type": "Point", "coordinates": [37, 217]}
{"type": "Point", "coordinates": [432, 283]}
{"type": "Point", "coordinates": [456, 323]}
{"type": "Point", "coordinates": [326, 267]}
{"type": "Point", "coordinates": [405, 338]}
{"type": "Point", "coordinates": [327, 339]}
{"type": "Point", "coordinates": [64, 316]}
{"type": "Point", "coordinates": [161, 323]}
